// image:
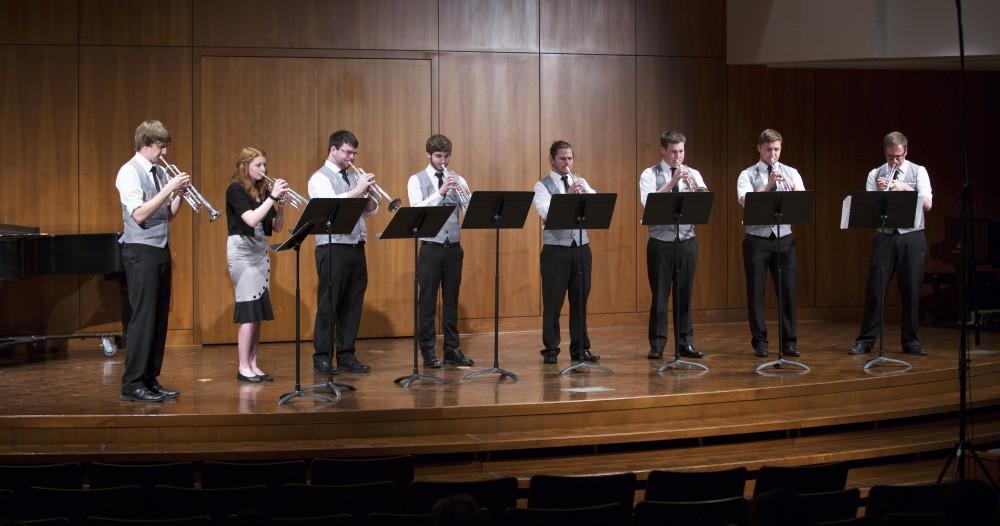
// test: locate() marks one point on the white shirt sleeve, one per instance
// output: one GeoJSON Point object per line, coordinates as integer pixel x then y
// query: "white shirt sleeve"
{"type": "Point", "coordinates": [743, 185]}
{"type": "Point", "coordinates": [129, 188]}
{"type": "Point", "coordinates": [924, 184]}
{"type": "Point", "coordinates": [871, 184]}
{"type": "Point", "coordinates": [542, 200]}
{"type": "Point", "coordinates": [647, 185]}
{"type": "Point", "coordinates": [416, 195]}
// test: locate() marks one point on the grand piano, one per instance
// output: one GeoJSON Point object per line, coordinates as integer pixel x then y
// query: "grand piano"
{"type": "Point", "coordinates": [27, 253]}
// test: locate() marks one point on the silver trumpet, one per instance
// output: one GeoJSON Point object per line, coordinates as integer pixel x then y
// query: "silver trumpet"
{"type": "Point", "coordinates": [293, 198]}
{"type": "Point", "coordinates": [689, 180]}
{"type": "Point", "coordinates": [379, 194]}
{"type": "Point", "coordinates": [573, 176]}
{"type": "Point", "coordinates": [190, 194]}
{"type": "Point", "coordinates": [459, 191]}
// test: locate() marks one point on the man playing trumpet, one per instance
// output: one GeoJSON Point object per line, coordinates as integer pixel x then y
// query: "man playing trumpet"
{"type": "Point", "coordinates": [561, 261]}
{"type": "Point", "coordinates": [340, 260]}
{"type": "Point", "coordinates": [149, 201]}
{"type": "Point", "coordinates": [670, 175]}
{"type": "Point", "coordinates": [439, 264]}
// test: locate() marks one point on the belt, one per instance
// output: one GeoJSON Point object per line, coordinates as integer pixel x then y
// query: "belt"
{"type": "Point", "coordinates": [358, 244]}
{"type": "Point", "coordinates": [446, 244]}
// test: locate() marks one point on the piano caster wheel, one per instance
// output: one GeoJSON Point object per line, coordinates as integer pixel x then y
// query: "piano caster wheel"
{"type": "Point", "coordinates": [108, 345]}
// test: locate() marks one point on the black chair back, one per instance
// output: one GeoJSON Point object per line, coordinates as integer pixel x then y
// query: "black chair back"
{"type": "Point", "coordinates": [688, 486]}
{"type": "Point", "coordinates": [496, 495]}
{"type": "Point", "coordinates": [177, 474]}
{"type": "Point", "coordinates": [719, 512]}
{"type": "Point", "coordinates": [830, 505]}
{"type": "Point", "coordinates": [358, 500]}
{"type": "Point", "coordinates": [78, 504]}
{"type": "Point", "coordinates": [173, 502]}
{"type": "Point", "coordinates": [399, 519]}
{"type": "Point", "coordinates": [605, 515]}
{"type": "Point", "coordinates": [340, 471]}
{"type": "Point", "coordinates": [817, 478]}
{"type": "Point", "coordinates": [923, 498]}
{"type": "Point", "coordinates": [914, 519]}
{"type": "Point", "coordinates": [553, 491]}
{"type": "Point", "coordinates": [202, 520]}
{"type": "Point", "coordinates": [241, 474]}
{"type": "Point", "coordinates": [20, 478]}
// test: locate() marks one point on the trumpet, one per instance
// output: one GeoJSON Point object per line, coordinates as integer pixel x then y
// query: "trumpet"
{"type": "Point", "coordinates": [689, 180]}
{"type": "Point", "coordinates": [290, 196]}
{"type": "Point", "coordinates": [379, 195]}
{"type": "Point", "coordinates": [459, 191]}
{"type": "Point", "coordinates": [190, 194]}
{"type": "Point", "coordinates": [577, 177]}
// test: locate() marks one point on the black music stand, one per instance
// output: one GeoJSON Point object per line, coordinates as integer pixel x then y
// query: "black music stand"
{"type": "Point", "coordinates": [333, 216]}
{"type": "Point", "coordinates": [295, 243]}
{"type": "Point", "coordinates": [883, 210]}
{"type": "Point", "coordinates": [497, 210]}
{"type": "Point", "coordinates": [669, 208]}
{"type": "Point", "coordinates": [579, 211]}
{"type": "Point", "coordinates": [775, 209]}
{"type": "Point", "coordinates": [413, 223]}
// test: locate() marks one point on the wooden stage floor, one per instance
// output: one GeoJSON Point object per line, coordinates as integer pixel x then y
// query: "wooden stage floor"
{"type": "Point", "coordinates": [66, 403]}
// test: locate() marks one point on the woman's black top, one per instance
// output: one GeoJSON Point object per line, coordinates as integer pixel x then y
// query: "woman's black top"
{"type": "Point", "coordinates": [238, 200]}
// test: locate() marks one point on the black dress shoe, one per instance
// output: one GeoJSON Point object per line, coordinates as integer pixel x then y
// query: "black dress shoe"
{"type": "Point", "coordinates": [860, 348]}
{"type": "Point", "coordinates": [430, 360]}
{"type": "Point", "coordinates": [760, 350]}
{"type": "Point", "coordinates": [654, 354]}
{"type": "Point", "coordinates": [167, 393]}
{"type": "Point", "coordinates": [687, 351]}
{"type": "Point", "coordinates": [456, 358]}
{"type": "Point", "coordinates": [265, 377]}
{"type": "Point", "coordinates": [550, 356]}
{"type": "Point", "coordinates": [791, 351]}
{"type": "Point", "coordinates": [321, 365]}
{"type": "Point", "coordinates": [242, 378]}
{"type": "Point", "coordinates": [142, 394]}
{"type": "Point", "coordinates": [348, 363]}
{"type": "Point", "coordinates": [586, 356]}
{"type": "Point", "coordinates": [915, 349]}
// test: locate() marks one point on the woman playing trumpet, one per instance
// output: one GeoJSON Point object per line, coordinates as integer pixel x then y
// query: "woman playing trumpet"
{"type": "Point", "coordinates": [439, 263]}
{"type": "Point", "coordinates": [253, 211]}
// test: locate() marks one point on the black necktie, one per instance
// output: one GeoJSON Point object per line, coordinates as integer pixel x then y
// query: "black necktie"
{"type": "Point", "coordinates": [565, 180]}
{"type": "Point", "coordinates": [672, 170]}
{"type": "Point", "coordinates": [347, 180]}
{"type": "Point", "coordinates": [440, 177]}
{"type": "Point", "coordinates": [156, 179]}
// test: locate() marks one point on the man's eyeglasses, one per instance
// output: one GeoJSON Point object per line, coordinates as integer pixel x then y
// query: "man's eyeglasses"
{"type": "Point", "coordinates": [348, 153]}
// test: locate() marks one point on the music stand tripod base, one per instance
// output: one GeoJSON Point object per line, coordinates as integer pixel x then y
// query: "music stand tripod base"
{"type": "Point", "coordinates": [781, 361]}
{"type": "Point", "coordinates": [285, 398]}
{"type": "Point", "coordinates": [677, 363]}
{"type": "Point", "coordinates": [405, 381]}
{"type": "Point", "coordinates": [580, 365]}
{"type": "Point", "coordinates": [492, 370]}
{"type": "Point", "coordinates": [333, 387]}
{"type": "Point", "coordinates": [882, 359]}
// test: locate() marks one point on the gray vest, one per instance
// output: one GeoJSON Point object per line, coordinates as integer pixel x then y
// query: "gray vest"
{"type": "Point", "coordinates": [451, 231]}
{"type": "Point", "coordinates": [154, 230]}
{"type": "Point", "coordinates": [560, 237]}
{"type": "Point", "coordinates": [667, 232]}
{"type": "Point", "coordinates": [340, 187]}
{"type": "Point", "coordinates": [909, 177]}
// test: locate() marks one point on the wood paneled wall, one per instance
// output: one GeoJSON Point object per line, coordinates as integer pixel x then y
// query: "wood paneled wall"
{"type": "Point", "coordinates": [501, 78]}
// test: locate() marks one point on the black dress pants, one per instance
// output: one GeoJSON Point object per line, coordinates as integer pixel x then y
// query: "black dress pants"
{"type": "Point", "coordinates": [660, 271]}
{"type": "Point", "coordinates": [147, 275]}
{"type": "Point", "coordinates": [561, 268]}
{"type": "Point", "coordinates": [760, 256]}
{"type": "Point", "coordinates": [439, 267]}
{"type": "Point", "coordinates": [902, 255]}
{"type": "Point", "coordinates": [343, 278]}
